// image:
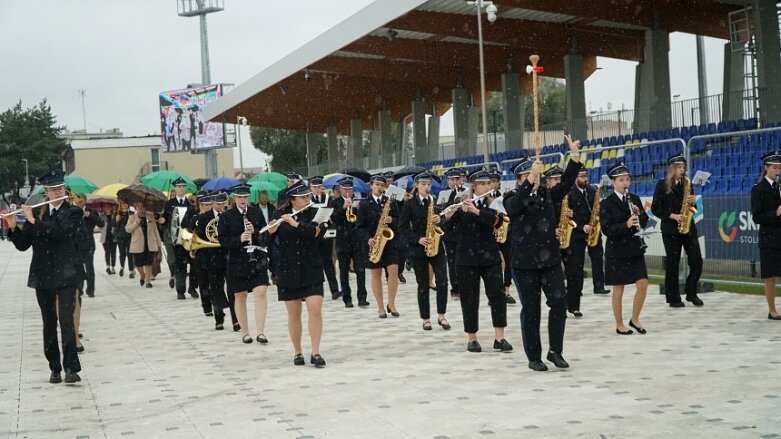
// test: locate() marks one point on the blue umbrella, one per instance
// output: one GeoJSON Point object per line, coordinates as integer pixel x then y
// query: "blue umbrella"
{"type": "Point", "coordinates": [407, 182]}
{"type": "Point", "coordinates": [220, 183]}
{"type": "Point", "coordinates": [331, 180]}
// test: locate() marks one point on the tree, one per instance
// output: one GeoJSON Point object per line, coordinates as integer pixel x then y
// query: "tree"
{"type": "Point", "coordinates": [30, 134]}
{"type": "Point", "coordinates": [287, 147]}
{"type": "Point", "coordinates": [553, 106]}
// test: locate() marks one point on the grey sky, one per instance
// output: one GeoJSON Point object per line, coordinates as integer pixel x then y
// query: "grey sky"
{"type": "Point", "coordinates": [123, 53]}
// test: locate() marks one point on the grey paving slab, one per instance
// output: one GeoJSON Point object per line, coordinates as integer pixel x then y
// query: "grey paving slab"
{"type": "Point", "coordinates": [155, 368]}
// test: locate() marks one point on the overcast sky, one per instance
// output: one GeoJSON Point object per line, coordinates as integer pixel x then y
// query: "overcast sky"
{"type": "Point", "coordinates": [123, 53]}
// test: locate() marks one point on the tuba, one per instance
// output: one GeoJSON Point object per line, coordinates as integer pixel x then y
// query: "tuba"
{"type": "Point", "coordinates": [565, 224]}
{"type": "Point", "coordinates": [596, 229]}
{"type": "Point", "coordinates": [382, 235]}
{"type": "Point", "coordinates": [687, 210]}
{"type": "Point", "coordinates": [192, 242]}
{"type": "Point", "coordinates": [433, 231]}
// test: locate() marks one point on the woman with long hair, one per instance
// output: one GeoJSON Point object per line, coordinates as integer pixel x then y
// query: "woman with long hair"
{"type": "Point", "coordinates": [766, 210]}
{"type": "Point", "coordinates": [144, 242]}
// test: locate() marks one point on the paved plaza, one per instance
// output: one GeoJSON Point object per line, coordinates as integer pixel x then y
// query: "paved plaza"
{"type": "Point", "coordinates": [154, 367]}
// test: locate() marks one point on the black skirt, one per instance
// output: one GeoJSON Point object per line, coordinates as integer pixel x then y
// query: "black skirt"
{"type": "Point", "coordinates": [769, 262]}
{"type": "Point", "coordinates": [625, 271]}
{"type": "Point", "coordinates": [143, 259]}
{"type": "Point", "coordinates": [298, 293]}
{"type": "Point", "coordinates": [241, 284]}
{"type": "Point", "coordinates": [390, 256]}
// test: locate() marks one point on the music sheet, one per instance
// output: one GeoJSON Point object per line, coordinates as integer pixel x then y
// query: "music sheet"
{"type": "Point", "coordinates": [323, 214]}
{"type": "Point", "coordinates": [700, 178]}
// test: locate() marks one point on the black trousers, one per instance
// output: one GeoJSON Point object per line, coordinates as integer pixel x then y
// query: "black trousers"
{"type": "Point", "coordinates": [110, 252]}
{"type": "Point", "coordinates": [88, 259]}
{"type": "Point", "coordinates": [344, 276]}
{"type": "Point", "coordinates": [202, 276]}
{"type": "Point", "coordinates": [220, 300]}
{"type": "Point", "coordinates": [551, 282]}
{"type": "Point", "coordinates": [450, 250]}
{"type": "Point", "coordinates": [508, 269]}
{"type": "Point", "coordinates": [469, 284]}
{"type": "Point", "coordinates": [403, 255]}
{"type": "Point", "coordinates": [48, 302]}
{"type": "Point", "coordinates": [420, 266]}
{"type": "Point", "coordinates": [574, 258]}
{"type": "Point", "coordinates": [597, 256]}
{"type": "Point", "coordinates": [124, 253]}
{"type": "Point", "coordinates": [673, 243]}
{"type": "Point", "coordinates": [326, 250]}
{"type": "Point", "coordinates": [180, 268]}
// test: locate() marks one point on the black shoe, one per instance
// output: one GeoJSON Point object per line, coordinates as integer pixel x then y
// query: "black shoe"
{"type": "Point", "coordinates": [408, 266]}
{"type": "Point", "coordinates": [261, 338]}
{"type": "Point", "coordinates": [628, 332]}
{"type": "Point", "coordinates": [444, 325]}
{"type": "Point", "coordinates": [639, 329]}
{"type": "Point", "coordinates": [81, 335]}
{"type": "Point", "coordinates": [363, 304]}
{"type": "Point", "coordinates": [132, 274]}
{"type": "Point", "coordinates": [55, 378]}
{"type": "Point", "coordinates": [510, 299]}
{"type": "Point", "coordinates": [208, 314]}
{"type": "Point", "coordinates": [427, 326]}
{"type": "Point", "coordinates": [149, 285]}
{"type": "Point", "coordinates": [122, 272]}
{"type": "Point", "coordinates": [247, 339]}
{"type": "Point", "coordinates": [677, 305]}
{"type": "Point", "coordinates": [336, 296]}
{"type": "Point", "coordinates": [503, 346]}
{"type": "Point", "coordinates": [219, 327]}
{"type": "Point", "coordinates": [236, 327]}
{"type": "Point", "coordinates": [194, 294]}
{"type": "Point", "coordinates": [455, 296]}
{"type": "Point", "coordinates": [317, 360]}
{"type": "Point", "coordinates": [349, 305]}
{"type": "Point", "coordinates": [90, 294]}
{"type": "Point", "coordinates": [298, 360]}
{"type": "Point", "coordinates": [401, 278]}
{"type": "Point", "coordinates": [577, 313]}
{"type": "Point", "coordinates": [108, 271]}
{"type": "Point", "coordinates": [772, 317]}
{"type": "Point", "coordinates": [383, 316]}
{"type": "Point", "coordinates": [538, 366]}
{"type": "Point", "coordinates": [696, 301]}
{"type": "Point", "coordinates": [557, 359]}
{"type": "Point", "coordinates": [602, 291]}
{"type": "Point", "coordinates": [180, 297]}
{"type": "Point", "coordinates": [80, 349]}
{"type": "Point", "coordinates": [72, 377]}
{"type": "Point", "coordinates": [171, 283]}
{"type": "Point", "coordinates": [474, 346]}
{"type": "Point", "coordinates": [393, 313]}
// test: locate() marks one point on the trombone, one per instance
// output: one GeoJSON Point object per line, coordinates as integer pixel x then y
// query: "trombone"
{"type": "Point", "coordinates": [43, 203]}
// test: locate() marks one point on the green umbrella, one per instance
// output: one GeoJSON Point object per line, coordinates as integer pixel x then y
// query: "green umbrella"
{"type": "Point", "coordinates": [275, 178]}
{"type": "Point", "coordinates": [263, 186]}
{"type": "Point", "coordinates": [163, 181]}
{"type": "Point", "coordinates": [77, 184]}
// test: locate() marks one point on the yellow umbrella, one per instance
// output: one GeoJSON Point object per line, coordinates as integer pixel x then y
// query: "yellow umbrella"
{"type": "Point", "coordinates": [110, 190]}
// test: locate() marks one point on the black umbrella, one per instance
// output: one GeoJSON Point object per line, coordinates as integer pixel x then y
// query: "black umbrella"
{"type": "Point", "coordinates": [358, 173]}
{"type": "Point", "coordinates": [409, 170]}
{"type": "Point", "coordinates": [153, 199]}
{"type": "Point", "coordinates": [199, 182]}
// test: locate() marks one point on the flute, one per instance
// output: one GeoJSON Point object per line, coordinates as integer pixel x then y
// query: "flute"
{"type": "Point", "coordinates": [276, 222]}
{"type": "Point", "coordinates": [457, 205]}
{"type": "Point", "coordinates": [18, 211]}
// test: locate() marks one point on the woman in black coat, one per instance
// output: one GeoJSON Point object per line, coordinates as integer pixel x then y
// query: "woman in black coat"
{"type": "Point", "coordinates": [300, 272]}
{"type": "Point", "coordinates": [621, 216]}
{"type": "Point", "coordinates": [766, 210]}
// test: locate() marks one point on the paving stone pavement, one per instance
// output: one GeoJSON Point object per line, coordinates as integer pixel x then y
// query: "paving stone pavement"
{"type": "Point", "coordinates": [155, 368]}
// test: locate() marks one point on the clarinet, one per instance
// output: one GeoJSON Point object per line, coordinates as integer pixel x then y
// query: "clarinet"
{"type": "Point", "coordinates": [634, 211]}
{"type": "Point", "coordinates": [247, 225]}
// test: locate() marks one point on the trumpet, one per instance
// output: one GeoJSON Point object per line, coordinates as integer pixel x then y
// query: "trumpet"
{"type": "Point", "coordinates": [278, 221]}
{"type": "Point", "coordinates": [43, 203]}
{"type": "Point", "coordinates": [350, 215]}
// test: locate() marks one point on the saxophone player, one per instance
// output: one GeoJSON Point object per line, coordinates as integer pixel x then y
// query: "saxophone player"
{"type": "Point", "coordinates": [369, 216]}
{"type": "Point", "coordinates": [418, 220]}
{"type": "Point", "coordinates": [668, 205]}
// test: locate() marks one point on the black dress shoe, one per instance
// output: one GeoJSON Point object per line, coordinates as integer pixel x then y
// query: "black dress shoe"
{"type": "Point", "coordinates": [194, 294]}
{"type": "Point", "coordinates": [317, 360]}
{"type": "Point", "coordinates": [236, 327]}
{"type": "Point", "coordinates": [261, 338]}
{"type": "Point", "coordinates": [510, 299]}
{"type": "Point", "coordinates": [383, 316]}
{"type": "Point", "coordinates": [336, 296]}
{"type": "Point", "coordinates": [171, 283]}
{"type": "Point", "coordinates": [677, 305]}
{"type": "Point", "coordinates": [639, 329]}
{"type": "Point", "coordinates": [132, 274]}
{"type": "Point", "coordinates": [181, 297]}
{"type": "Point", "coordinates": [363, 304]}
{"type": "Point", "coordinates": [108, 270]}
{"type": "Point", "coordinates": [72, 377]}
{"type": "Point", "coordinates": [122, 272]}
{"type": "Point", "coordinates": [208, 314]}
{"type": "Point", "coordinates": [537, 365]}
{"type": "Point", "coordinates": [427, 326]}
{"type": "Point", "coordinates": [55, 378]}
{"type": "Point", "coordinates": [696, 301]}
{"type": "Point", "coordinates": [503, 346]}
{"type": "Point", "coordinates": [90, 294]}
{"type": "Point", "coordinates": [444, 324]}
{"type": "Point", "coordinates": [298, 360]}
{"type": "Point", "coordinates": [79, 349]}
{"type": "Point", "coordinates": [393, 313]}
{"type": "Point", "coordinates": [149, 285]}
{"type": "Point", "coordinates": [81, 335]}
{"type": "Point", "coordinates": [402, 279]}
{"type": "Point", "coordinates": [247, 339]}
{"type": "Point", "coordinates": [349, 305]}
{"type": "Point", "coordinates": [627, 332]}
{"type": "Point", "coordinates": [557, 359]}
{"type": "Point", "coordinates": [602, 291]}
{"type": "Point", "coordinates": [577, 313]}
{"type": "Point", "coordinates": [474, 346]}
{"type": "Point", "coordinates": [772, 317]}
{"type": "Point", "coordinates": [219, 327]}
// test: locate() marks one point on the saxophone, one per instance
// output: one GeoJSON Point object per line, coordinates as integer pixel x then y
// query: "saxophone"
{"type": "Point", "coordinates": [687, 210]}
{"type": "Point", "coordinates": [500, 232]}
{"type": "Point", "coordinates": [433, 231]}
{"type": "Point", "coordinates": [382, 235]}
{"type": "Point", "coordinates": [565, 224]}
{"type": "Point", "coordinates": [596, 229]}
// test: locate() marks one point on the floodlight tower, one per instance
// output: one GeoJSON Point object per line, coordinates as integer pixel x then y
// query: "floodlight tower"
{"type": "Point", "coordinates": [199, 8]}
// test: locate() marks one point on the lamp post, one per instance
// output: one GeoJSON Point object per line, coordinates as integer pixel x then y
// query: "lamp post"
{"type": "Point", "coordinates": [490, 10]}
{"type": "Point", "coordinates": [240, 121]}
{"type": "Point", "coordinates": [26, 174]}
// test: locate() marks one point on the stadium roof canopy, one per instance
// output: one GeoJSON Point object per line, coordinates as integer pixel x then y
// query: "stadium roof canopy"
{"type": "Point", "coordinates": [393, 51]}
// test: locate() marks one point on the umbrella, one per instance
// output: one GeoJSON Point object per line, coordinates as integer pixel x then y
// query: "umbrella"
{"type": "Point", "coordinates": [263, 186]}
{"type": "Point", "coordinates": [407, 181]}
{"type": "Point", "coordinates": [110, 190]}
{"type": "Point", "coordinates": [357, 173]}
{"type": "Point", "coordinates": [98, 201]}
{"type": "Point", "coordinates": [77, 184]}
{"type": "Point", "coordinates": [163, 180]}
{"type": "Point", "coordinates": [219, 183]}
{"type": "Point", "coordinates": [199, 182]}
{"type": "Point", "coordinates": [409, 170]}
{"type": "Point", "coordinates": [153, 199]}
{"type": "Point", "coordinates": [329, 182]}
{"type": "Point", "coordinates": [275, 178]}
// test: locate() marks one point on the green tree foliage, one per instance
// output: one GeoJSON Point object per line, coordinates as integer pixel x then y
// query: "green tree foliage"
{"type": "Point", "coordinates": [287, 147]}
{"type": "Point", "coordinates": [31, 134]}
{"type": "Point", "coordinates": [553, 106]}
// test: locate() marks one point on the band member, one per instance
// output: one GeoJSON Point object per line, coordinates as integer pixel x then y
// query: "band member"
{"type": "Point", "coordinates": [478, 256]}
{"type": "Point", "coordinates": [455, 184]}
{"type": "Point", "coordinates": [291, 179]}
{"type": "Point", "coordinates": [200, 261]}
{"type": "Point", "coordinates": [370, 211]}
{"type": "Point", "coordinates": [667, 206]}
{"type": "Point", "coordinates": [214, 259]}
{"type": "Point", "coordinates": [496, 188]}
{"type": "Point", "coordinates": [246, 267]}
{"type": "Point", "coordinates": [536, 256]}
{"type": "Point", "coordinates": [349, 248]}
{"type": "Point", "coordinates": [414, 222]}
{"type": "Point", "coordinates": [301, 275]}
{"type": "Point", "coordinates": [123, 240]}
{"type": "Point", "coordinates": [108, 238]}
{"type": "Point", "coordinates": [55, 271]}
{"type": "Point", "coordinates": [766, 210]}
{"type": "Point", "coordinates": [175, 210]}
{"type": "Point", "coordinates": [621, 216]}
{"type": "Point", "coordinates": [90, 220]}
{"type": "Point", "coordinates": [389, 177]}
{"type": "Point", "coordinates": [325, 246]}
{"type": "Point", "coordinates": [144, 242]}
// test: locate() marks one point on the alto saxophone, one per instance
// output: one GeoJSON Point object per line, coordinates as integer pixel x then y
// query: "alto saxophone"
{"type": "Point", "coordinates": [687, 210]}
{"type": "Point", "coordinates": [433, 231]}
{"type": "Point", "coordinates": [596, 229]}
{"type": "Point", "coordinates": [382, 235]}
{"type": "Point", "coordinates": [565, 224]}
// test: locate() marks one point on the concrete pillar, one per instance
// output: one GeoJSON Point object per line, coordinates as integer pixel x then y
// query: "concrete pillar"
{"type": "Point", "coordinates": [576, 95]}
{"type": "Point", "coordinates": [419, 144]}
{"type": "Point", "coordinates": [355, 150]}
{"type": "Point", "coordinates": [374, 156]}
{"type": "Point", "coordinates": [311, 152]}
{"type": "Point", "coordinates": [652, 84]}
{"type": "Point", "coordinates": [513, 103]}
{"type": "Point", "coordinates": [702, 82]}
{"type": "Point", "coordinates": [768, 59]}
{"type": "Point", "coordinates": [386, 138]}
{"type": "Point", "coordinates": [461, 121]}
{"type": "Point", "coordinates": [473, 124]}
{"type": "Point", "coordinates": [333, 148]}
{"type": "Point", "coordinates": [433, 139]}
{"type": "Point", "coordinates": [734, 71]}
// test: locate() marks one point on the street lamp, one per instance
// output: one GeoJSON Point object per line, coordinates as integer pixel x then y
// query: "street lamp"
{"type": "Point", "coordinates": [240, 120]}
{"type": "Point", "coordinates": [490, 11]}
{"type": "Point", "coordinates": [26, 174]}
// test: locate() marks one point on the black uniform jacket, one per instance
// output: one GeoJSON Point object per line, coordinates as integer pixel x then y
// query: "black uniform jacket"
{"type": "Point", "coordinates": [665, 204]}
{"type": "Point", "coordinates": [764, 203]}
{"type": "Point", "coordinates": [346, 236]}
{"type": "Point", "coordinates": [412, 224]}
{"type": "Point", "coordinates": [299, 264]}
{"type": "Point", "coordinates": [88, 224]}
{"type": "Point", "coordinates": [450, 234]}
{"type": "Point", "coordinates": [534, 220]}
{"type": "Point", "coordinates": [211, 258]}
{"type": "Point", "coordinates": [369, 213]}
{"type": "Point", "coordinates": [581, 205]}
{"type": "Point", "coordinates": [185, 220]}
{"type": "Point", "coordinates": [613, 215]}
{"type": "Point", "coordinates": [229, 231]}
{"type": "Point", "coordinates": [475, 242]}
{"type": "Point", "coordinates": [55, 262]}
